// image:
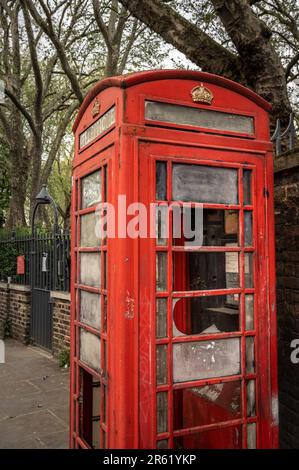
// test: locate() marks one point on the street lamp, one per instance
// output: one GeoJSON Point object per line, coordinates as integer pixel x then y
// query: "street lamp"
{"type": "Point", "coordinates": [44, 198]}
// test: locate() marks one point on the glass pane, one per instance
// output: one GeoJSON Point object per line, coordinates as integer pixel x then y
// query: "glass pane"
{"type": "Point", "coordinates": [161, 271]}
{"type": "Point", "coordinates": [211, 227]}
{"type": "Point", "coordinates": [162, 412]}
{"type": "Point", "coordinates": [249, 270]}
{"type": "Point", "coordinates": [90, 236]}
{"type": "Point", "coordinates": [208, 404]}
{"type": "Point", "coordinates": [161, 364]}
{"type": "Point", "coordinates": [251, 398]}
{"type": "Point", "coordinates": [208, 184]}
{"type": "Point", "coordinates": [90, 350]}
{"type": "Point", "coordinates": [162, 444]}
{"type": "Point", "coordinates": [90, 309]}
{"type": "Point", "coordinates": [198, 117]}
{"type": "Point", "coordinates": [248, 228]}
{"type": "Point", "coordinates": [90, 269]}
{"type": "Point", "coordinates": [247, 187]}
{"type": "Point", "coordinates": [161, 318]}
{"type": "Point", "coordinates": [206, 359]}
{"type": "Point", "coordinates": [205, 271]}
{"type": "Point", "coordinates": [92, 189]}
{"type": "Point", "coordinates": [251, 436]}
{"type": "Point", "coordinates": [250, 363]}
{"type": "Point", "coordinates": [204, 315]}
{"type": "Point", "coordinates": [249, 312]}
{"type": "Point", "coordinates": [161, 225]}
{"type": "Point", "coordinates": [161, 181]}
{"type": "Point", "coordinates": [228, 438]}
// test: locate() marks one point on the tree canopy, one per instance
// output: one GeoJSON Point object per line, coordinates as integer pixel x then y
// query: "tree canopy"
{"type": "Point", "coordinates": [53, 51]}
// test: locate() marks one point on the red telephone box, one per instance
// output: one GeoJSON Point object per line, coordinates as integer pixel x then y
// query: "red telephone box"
{"type": "Point", "coordinates": [173, 345]}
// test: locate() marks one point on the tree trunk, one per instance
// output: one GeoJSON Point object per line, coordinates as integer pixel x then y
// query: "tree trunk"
{"type": "Point", "coordinates": [20, 162]}
{"type": "Point", "coordinates": [257, 64]}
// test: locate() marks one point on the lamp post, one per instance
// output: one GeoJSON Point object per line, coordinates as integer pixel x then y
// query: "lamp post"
{"type": "Point", "coordinates": [44, 198]}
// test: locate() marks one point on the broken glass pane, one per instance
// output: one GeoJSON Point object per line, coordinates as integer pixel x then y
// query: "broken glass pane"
{"type": "Point", "coordinates": [205, 271]}
{"type": "Point", "coordinates": [213, 403]}
{"type": "Point", "coordinates": [204, 315]}
{"type": "Point", "coordinates": [212, 227]}
{"type": "Point", "coordinates": [228, 438]}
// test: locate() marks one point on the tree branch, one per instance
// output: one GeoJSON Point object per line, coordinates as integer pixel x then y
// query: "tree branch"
{"type": "Point", "coordinates": [49, 31]}
{"type": "Point", "coordinates": [23, 110]}
{"type": "Point", "coordinates": [57, 141]}
{"type": "Point", "coordinates": [186, 37]}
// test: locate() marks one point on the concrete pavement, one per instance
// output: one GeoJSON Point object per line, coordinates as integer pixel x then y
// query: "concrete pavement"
{"type": "Point", "coordinates": [33, 400]}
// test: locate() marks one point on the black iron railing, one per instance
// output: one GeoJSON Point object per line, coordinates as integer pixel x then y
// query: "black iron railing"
{"type": "Point", "coordinates": [284, 140]}
{"type": "Point", "coordinates": [47, 260]}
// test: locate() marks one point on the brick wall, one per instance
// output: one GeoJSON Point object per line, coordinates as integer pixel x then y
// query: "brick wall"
{"type": "Point", "coordinates": [15, 307]}
{"type": "Point", "coordinates": [4, 306]}
{"type": "Point", "coordinates": [287, 270]}
{"type": "Point", "coordinates": [61, 321]}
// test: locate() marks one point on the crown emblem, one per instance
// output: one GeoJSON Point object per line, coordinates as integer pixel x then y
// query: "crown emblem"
{"type": "Point", "coordinates": [96, 108]}
{"type": "Point", "coordinates": [202, 94]}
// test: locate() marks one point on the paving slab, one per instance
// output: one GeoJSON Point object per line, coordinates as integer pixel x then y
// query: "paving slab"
{"type": "Point", "coordinates": [34, 394]}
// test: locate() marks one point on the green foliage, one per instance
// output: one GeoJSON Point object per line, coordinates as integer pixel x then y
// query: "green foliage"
{"type": "Point", "coordinates": [9, 251]}
{"type": "Point", "coordinates": [8, 255]}
{"type": "Point", "coordinates": [64, 358]}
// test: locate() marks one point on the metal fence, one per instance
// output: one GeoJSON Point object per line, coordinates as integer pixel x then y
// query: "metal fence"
{"type": "Point", "coordinates": [284, 140]}
{"type": "Point", "coordinates": [46, 256]}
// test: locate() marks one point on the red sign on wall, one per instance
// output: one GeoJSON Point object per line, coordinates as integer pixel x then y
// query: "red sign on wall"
{"type": "Point", "coordinates": [21, 264]}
